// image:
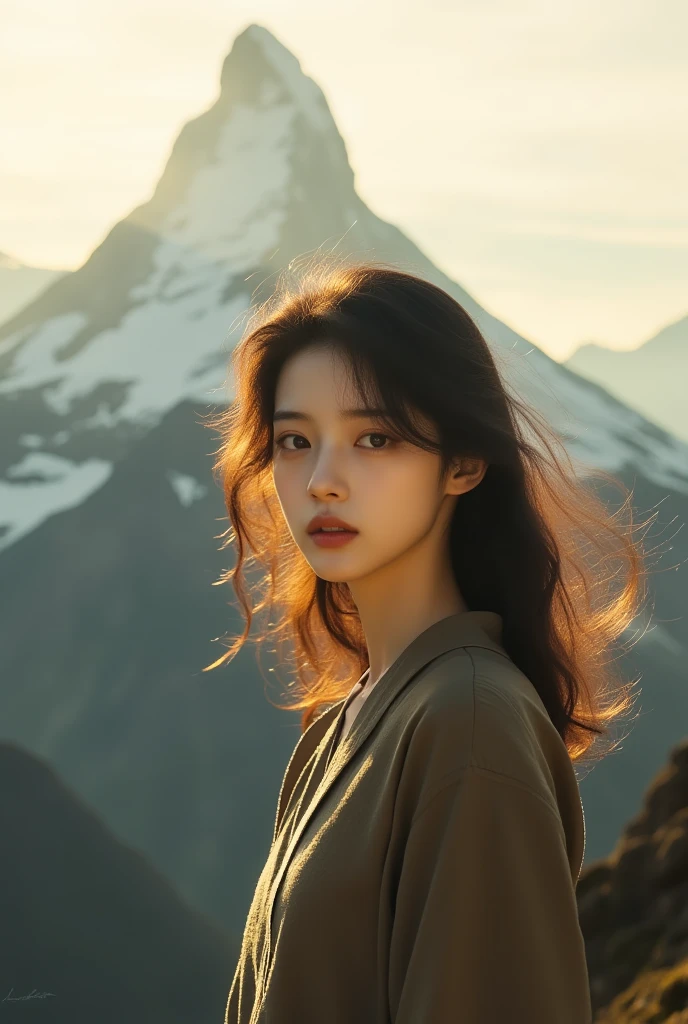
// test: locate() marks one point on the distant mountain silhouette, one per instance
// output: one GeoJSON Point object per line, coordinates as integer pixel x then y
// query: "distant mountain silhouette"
{"type": "Point", "coordinates": [90, 931]}
{"type": "Point", "coordinates": [651, 378]}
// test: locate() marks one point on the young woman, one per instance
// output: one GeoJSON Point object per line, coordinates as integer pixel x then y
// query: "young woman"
{"type": "Point", "coordinates": [429, 832]}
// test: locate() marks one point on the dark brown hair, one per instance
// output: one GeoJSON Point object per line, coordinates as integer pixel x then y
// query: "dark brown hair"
{"type": "Point", "coordinates": [531, 541]}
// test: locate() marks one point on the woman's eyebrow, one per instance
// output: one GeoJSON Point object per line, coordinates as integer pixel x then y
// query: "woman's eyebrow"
{"type": "Point", "coordinates": [288, 414]}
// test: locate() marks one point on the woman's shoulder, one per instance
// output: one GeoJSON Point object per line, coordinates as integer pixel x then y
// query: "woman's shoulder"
{"type": "Point", "coordinates": [474, 710]}
{"type": "Point", "coordinates": [475, 679]}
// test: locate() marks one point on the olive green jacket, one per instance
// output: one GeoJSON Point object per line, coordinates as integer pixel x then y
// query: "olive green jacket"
{"type": "Point", "coordinates": [426, 873]}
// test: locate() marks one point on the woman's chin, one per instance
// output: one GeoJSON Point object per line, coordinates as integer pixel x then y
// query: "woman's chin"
{"type": "Point", "coordinates": [331, 575]}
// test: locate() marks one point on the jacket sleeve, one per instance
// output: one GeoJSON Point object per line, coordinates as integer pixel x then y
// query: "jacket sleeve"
{"type": "Point", "coordinates": [485, 924]}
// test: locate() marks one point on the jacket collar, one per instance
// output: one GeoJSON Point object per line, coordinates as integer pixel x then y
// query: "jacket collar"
{"type": "Point", "coordinates": [463, 629]}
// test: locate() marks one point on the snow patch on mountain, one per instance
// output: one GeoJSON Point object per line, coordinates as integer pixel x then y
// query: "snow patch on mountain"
{"type": "Point", "coordinates": [186, 487]}
{"type": "Point", "coordinates": [160, 350]}
{"type": "Point", "coordinates": [42, 485]}
{"type": "Point", "coordinates": [165, 353]}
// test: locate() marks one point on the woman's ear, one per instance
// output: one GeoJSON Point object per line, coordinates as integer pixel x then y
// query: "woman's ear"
{"type": "Point", "coordinates": [466, 474]}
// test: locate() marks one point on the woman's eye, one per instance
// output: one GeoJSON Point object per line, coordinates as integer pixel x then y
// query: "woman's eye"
{"type": "Point", "coordinates": [371, 433]}
{"type": "Point", "coordinates": [378, 434]}
{"type": "Point", "coordinates": [280, 441]}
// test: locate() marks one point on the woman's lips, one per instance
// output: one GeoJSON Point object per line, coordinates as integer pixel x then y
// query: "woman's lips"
{"type": "Point", "coordinates": [332, 539]}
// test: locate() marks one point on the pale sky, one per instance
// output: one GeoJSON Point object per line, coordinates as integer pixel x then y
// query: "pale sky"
{"type": "Point", "coordinates": [535, 150]}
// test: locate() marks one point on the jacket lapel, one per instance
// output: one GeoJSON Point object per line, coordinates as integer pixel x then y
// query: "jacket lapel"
{"type": "Point", "coordinates": [464, 629]}
{"type": "Point", "coordinates": [304, 749]}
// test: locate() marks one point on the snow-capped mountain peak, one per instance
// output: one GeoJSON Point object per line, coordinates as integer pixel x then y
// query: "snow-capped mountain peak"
{"type": "Point", "coordinates": [258, 180]}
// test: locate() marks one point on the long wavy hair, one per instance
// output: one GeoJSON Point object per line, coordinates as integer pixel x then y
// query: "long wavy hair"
{"type": "Point", "coordinates": [531, 541]}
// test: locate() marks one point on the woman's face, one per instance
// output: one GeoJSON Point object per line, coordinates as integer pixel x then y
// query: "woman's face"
{"type": "Point", "coordinates": [330, 463]}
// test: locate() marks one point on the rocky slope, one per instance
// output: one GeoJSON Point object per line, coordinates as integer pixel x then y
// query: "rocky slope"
{"type": "Point", "coordinates": [633, 908]}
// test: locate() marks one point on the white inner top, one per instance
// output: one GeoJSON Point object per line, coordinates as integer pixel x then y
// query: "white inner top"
{"type": "Point", "coordinates": [357, 697]}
